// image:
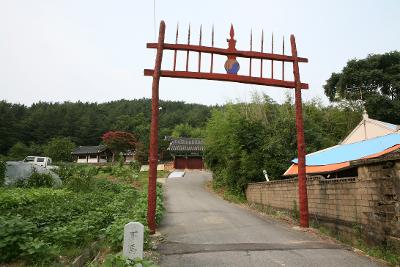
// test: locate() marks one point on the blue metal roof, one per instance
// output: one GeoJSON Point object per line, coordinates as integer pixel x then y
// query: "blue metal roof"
{"type": "Point", "coordinates": [343, 153]}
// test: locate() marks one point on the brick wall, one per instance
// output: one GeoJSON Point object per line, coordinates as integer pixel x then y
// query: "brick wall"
{"type": "Point", "coordinates": [370, 201]}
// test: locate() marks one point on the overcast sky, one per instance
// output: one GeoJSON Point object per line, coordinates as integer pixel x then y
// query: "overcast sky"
{"type": "Point", "coordinates": [92, 50]}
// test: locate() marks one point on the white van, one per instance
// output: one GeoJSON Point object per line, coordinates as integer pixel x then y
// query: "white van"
{"type": "Point", "coordinates": [41, 161]}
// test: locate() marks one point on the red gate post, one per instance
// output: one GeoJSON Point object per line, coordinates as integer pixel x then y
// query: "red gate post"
{"type": "Point", "coordinates": [300, 140]}
{"type": "Point", "coordinates": [153, 151]}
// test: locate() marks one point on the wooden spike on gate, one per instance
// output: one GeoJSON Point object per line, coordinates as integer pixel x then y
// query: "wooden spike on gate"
{"type": "Point", "coordinates": [251, 49]}
{"type": "Point", "coordinates": [212, 45]}
{"type": "Point", "coordinates": [262, 49]}
{"type": "Point", "coordinates": [187, 52]}
{"type": "Point", "coordinates": [283, 62]}
{"type": "Point", "coordinates": [272, 61]}
{"type": "Point", "coordinates": [176, 42]}
{"type": "Point", "coordinates": [201, 35]}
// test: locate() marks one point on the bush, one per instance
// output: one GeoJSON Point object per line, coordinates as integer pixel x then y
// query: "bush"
{"type": "Point", "coordinates": [80, 181]}
{"type": "Point", "coordinates": [124, 173]}
{"type": "Point", "coordinates": [106, 168]}
{"type": "Point", "coordinates": [65, 171]}
{"type": "Point", "coordinates": [78, 177]}
{"type": "Point", "coordinates": [40, 180]}
{"type": "Point", "coordinates": [135, 165]}
{"type": "Point", "coordinates": [115, 233]}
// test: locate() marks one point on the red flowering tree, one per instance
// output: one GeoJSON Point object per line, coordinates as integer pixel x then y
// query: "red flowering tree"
{"type": "Point", "coordinates": [118, 141]}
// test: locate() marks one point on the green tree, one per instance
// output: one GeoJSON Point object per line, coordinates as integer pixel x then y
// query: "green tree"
{"type": "Point", "coordinates": [11, 128]}
{"type": "Point", "coordinates": [182, 130]}
{"type": "Point", "coordinates": [18, 151]}
{"type": "Point", "coordinates": [375, 79]}
{"type": "Point", "coordinates": [84, 123]}
{"type": "Point", "coordinates": [59, 149]}
{"type": "Point", "coordinates": [244, 139]}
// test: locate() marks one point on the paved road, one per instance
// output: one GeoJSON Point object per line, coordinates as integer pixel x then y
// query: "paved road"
{"type": "Point", "coordinates": [203, 230]}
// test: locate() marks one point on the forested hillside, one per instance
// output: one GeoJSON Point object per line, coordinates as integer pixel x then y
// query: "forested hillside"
{"type": "Point", "coordinates": [84, 123]}
{"type": "Point", "coordinates": [242, 139]}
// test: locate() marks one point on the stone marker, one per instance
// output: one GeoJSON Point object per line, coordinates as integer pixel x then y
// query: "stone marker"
{"type": "Point", "coordinates": [133, 240]}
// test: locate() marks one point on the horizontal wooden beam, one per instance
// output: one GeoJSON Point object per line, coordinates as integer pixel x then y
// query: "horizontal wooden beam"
{"type": "Point", "coordinates": [225, 77]}
{"type": "Point", "coordinates": [226, 52]}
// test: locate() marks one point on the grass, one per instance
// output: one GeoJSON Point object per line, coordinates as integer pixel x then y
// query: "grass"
{"type": "Point", "coordinates": [143, 177]}
{"type": "Point", "coordinates": [226, 194]}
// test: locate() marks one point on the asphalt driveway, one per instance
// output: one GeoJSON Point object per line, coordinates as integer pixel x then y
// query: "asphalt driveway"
{"type": "Point", "coordinates": [203, 230]}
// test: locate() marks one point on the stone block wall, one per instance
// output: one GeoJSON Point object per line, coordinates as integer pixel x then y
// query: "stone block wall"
{"type": "Point", "coordinates": [370, 202]}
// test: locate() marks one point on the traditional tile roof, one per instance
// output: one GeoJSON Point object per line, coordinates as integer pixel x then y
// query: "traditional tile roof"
{"type": "Point", "coordinates": [82, 150]}
{"type": "Point", "coordinates": [185, 144]}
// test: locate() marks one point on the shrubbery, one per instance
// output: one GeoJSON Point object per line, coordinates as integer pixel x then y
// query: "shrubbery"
{"type": "Point", "coordinates": [124, 173]}
{"type": "Point", "coordinates": [40, 180]}
{"type": "Point", "coordinates": [36, 180]}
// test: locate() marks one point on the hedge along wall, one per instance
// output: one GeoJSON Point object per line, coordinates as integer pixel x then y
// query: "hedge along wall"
{"type": "Point", "coordinates": [370, 201]}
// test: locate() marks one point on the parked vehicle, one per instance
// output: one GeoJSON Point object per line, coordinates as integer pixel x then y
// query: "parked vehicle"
{"type": "Point", "coordinates": [41, 161]}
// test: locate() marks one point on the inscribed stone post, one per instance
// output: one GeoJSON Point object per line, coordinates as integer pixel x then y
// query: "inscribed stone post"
{"type": "Point", "coordinates": [133, 240]}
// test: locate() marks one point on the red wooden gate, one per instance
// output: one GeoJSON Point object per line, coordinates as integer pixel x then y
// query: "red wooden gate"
{"type": "Point", "coordinates": [180, 163]}
{"type": "Point", "coordinates": [192, 163]}
{"type": "Point", "coordinates": [232, 68]}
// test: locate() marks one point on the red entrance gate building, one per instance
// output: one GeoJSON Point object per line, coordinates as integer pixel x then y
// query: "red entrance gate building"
{"type": "Point", "coordinates": [232, 67]}
{"type": "Point", "coordinates": [187, 153]}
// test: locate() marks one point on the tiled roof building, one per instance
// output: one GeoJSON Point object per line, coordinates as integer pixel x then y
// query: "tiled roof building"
{"type": "Point", "coordinates": [187, 152]}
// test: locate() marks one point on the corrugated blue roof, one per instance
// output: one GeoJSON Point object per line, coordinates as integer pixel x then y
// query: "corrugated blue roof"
{"type": "Point", "coordinates": [354, 151]}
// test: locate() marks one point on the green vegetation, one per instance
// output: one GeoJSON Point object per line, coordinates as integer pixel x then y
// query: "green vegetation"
{"type": "Point", "coordinates": [291, 216]}
{"type": "Point", "coordinates": [85, 123]}
{"type": "Point", "coordinates": [59, 149]}
{"type": "Point", "coordinates": [185, 130]}
{"type": "Point", "coordinates": [244, 139]}
{"type": "Point", "coordinates": [19, 151]}
{"type": "Point", "coordinates": [119, 261]}
{"type": "Point", "coordinates": [375, 79]}
{"type": "Point", "coordinates": [384, 251]}
{"type": "Point", "coordinates": [40, 180]}
{"type": "Point", "coordinates": [295, 211]}
{"type": "Point", "coordinates": [46, 226]}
